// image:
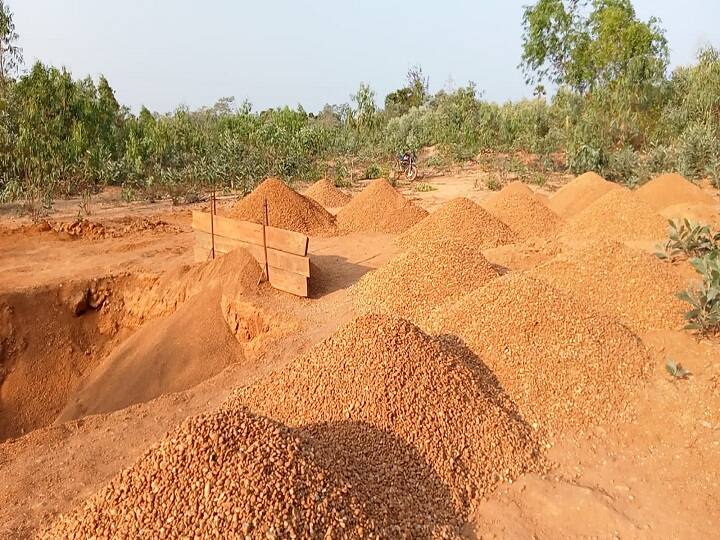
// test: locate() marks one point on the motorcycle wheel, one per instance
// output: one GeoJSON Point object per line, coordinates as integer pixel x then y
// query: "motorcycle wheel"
{"type": "Point", "coordinates": [411, 173]}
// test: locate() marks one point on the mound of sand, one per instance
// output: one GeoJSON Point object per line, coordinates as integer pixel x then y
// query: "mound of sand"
{"type": "Point", "coordinates": [672, 189]}
{"type": "Point", "coordinates": [224, 474]}
{"type": "Point", "coordinates": [379, 208]}
{"type": "Point", "coordinates": [287, 209]}
{"type": "Point", "coordinates": [618, 215]}
{"type": "Point", "coordinates": [523, 213]}
{"type": "Point", "coordinates": [631, 285]}
{"type": "Point", "coordinates": [564, 364]}
{"type": "Point", "coordinates": [436, 397]}
{"type": "Point", "coordinates": [459, 219]}
{"type": "Point", "coordinates": [326, 194]}
{"type": "Point", "coordinates": [704, 214]}
{"type": "Point", "coordinates": [580, 193]}
{"type": "Point", "coordinates": [417, 280]}
{"type": "Point", "coordinates": [211, 329]}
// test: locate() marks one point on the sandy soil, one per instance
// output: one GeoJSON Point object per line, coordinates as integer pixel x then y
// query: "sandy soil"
{"type": "Point", "coordinates": [658, 476]}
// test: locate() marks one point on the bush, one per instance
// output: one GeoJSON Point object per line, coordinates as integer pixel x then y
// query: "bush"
{"type": "Point", "coordinates": [373, 171]}
{"type": "Point", "coordinates": [689, 239]}
{"type": "Point", "coordinates": [697, 148]}
{"type": "Point", "coordinates": [704, 316]}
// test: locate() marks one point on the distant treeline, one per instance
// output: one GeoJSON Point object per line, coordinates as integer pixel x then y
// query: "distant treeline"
{"type": "Point", "coordinates": [62, 136]}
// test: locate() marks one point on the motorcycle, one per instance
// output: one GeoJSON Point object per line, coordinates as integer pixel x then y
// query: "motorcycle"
{"type": "Point", "coordinates": [406, 165]}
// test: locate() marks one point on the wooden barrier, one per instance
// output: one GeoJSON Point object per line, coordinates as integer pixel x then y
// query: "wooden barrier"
{"type": "Point", "coordinates": [288, 265]}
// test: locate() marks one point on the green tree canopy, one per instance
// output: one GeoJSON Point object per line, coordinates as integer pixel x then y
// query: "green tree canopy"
{"type": "Point", "coordinates": [583, 43]}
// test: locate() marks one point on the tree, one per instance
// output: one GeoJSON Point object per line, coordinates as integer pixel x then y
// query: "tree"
{"type": "Point", "coordinates": [583, 43]}
{"type": "Point", "coordinates": [415, 94]}
{"type": "Point", "coordinates": [10, 54]}
{"type": "Point", "coordinates": [365, 107]}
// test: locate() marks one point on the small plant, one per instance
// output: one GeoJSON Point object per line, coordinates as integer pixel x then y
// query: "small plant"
{"type": "Point", "coordinates": [493, 185]}
{"type": "Point", "coordinates": [424, 187]}
{"type": "Point", "coordinates": [688, 239]}
{"type": "Point", "coordinates": [676, 370]}
{"type": "Point", "coordinates": [538, 179]}
{"type": "Point", "coordinates": [704, 316]}
{"type": "Point", "coordinates": [373, 171]}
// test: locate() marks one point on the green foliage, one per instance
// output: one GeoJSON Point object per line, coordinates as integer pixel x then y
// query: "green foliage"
{"type": "Point", "coordinates": [373, 171]}
{"type": "Point", "coordinates": [493, 184]}
{"type": "Point", "coordinates": [423, 187]}
{"type": "Point", "coordinates": [704, 300]}
{"type": "Point", "coordinates": [676, 370]}
{"type": "Point", "coordinates": [11, 56]}
{"type": "Point", "coordinates": [697, 148]}
{"type": "Point", "coordinates": [566, 44]}
{"type": "Point", "coordinates": [688, 239]}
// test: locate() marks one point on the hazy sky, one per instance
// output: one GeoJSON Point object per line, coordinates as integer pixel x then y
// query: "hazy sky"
{"type": "Point", "coordinates": [162, 53]}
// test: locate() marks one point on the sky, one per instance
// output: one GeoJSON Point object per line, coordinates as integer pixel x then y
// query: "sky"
{"type": "Point", "coordinates": [164, 53]}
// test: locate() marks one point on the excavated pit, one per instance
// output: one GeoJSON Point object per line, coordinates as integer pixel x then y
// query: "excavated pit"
{"type": "Point", "coordinates": [88, 347]}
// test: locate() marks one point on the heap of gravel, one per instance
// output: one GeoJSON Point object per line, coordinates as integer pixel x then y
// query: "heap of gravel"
{"type": "Point", "coordinates": [672, 189]}
{"type": "Point", "coordinates": [379, 208]}
{"type": "Point", "coordinates": [326, 194]}
{"type": "Point", "coordinates": [580, 193]}
{"type": "Point", "coordinates": [523, 213]}
{"type": "Point", "coordinates": [287, 209]}
{"type": "Point", "coordinates": [224, 474]}
{"type": "Point", "coordinates": [417, 280]}
{"type": "Point", "coordinates": [564, 364]}
{"type": "Point", "coordinates": [618, 215]}
{"type": "Point", "coordinates": [631, 285]}
{"type": "Point", "coordinates": [459, 219]}
{"type": "Point", "coordinates": [435, 397]}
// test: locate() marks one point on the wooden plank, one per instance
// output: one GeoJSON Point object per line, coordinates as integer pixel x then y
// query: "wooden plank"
{"type": "Point", "coordinates": [279, 239]}
{"type": "Point", "coordinates": [278, 259]}
{"type": "Point", "coordinates": [289, 282]}
{"type": "Point", "coordinates": [283, 280]}
{"type": "Point", "coordinates": [229, 228]}
{"type": "Point", "coordinates": [287, 241]}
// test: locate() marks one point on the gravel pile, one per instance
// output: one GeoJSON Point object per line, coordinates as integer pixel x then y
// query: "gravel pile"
{"type": "Point", "coordinates": [460, 219]}
{"type": "Point", "coordinates": [564, 364]}
{"type": "Point", "coordinates": [671, 189]}
{"type": "Point", "coordinates": [618, 215]}
{"type": "Point", "coordinates": [580, 193]}
{"type": "Point", "coordinates": [631, 285]}
{"type": "Point", "coordinates": [219, 475]}
{"type": "Point", "coordinates": [523, 213]}
{"type": "Point", "coordinates": [415, 281]}
{"type": "Point", "coordinates": [326, 194]}
{"type": "Point", "coordinates": [434, 396]}
{"type": "Point", "coordinates": [379, 208]}
{"type": "Point", "coordinates": [287, 209]}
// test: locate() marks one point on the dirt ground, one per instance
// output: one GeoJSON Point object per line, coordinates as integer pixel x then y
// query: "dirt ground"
{"type": "Point", "coordinates": [656, 477]}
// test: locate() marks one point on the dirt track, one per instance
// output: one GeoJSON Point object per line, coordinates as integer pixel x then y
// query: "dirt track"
{"type": "Point", "coordinates": [657, 475]}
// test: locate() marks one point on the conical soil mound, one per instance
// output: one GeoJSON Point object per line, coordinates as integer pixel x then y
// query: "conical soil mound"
{"type": "Point", "coordinates": [417, 280]}
{"type": "Point", "coordinates": [379, 208]}
{"type": "Point", "coordinates": [459, 219]}
{"type": "Point", "coordinates": [219, 475]}
{"type": "Point", "coordinates": [437, 398]}
{"type": "Point", "coordinates": [523, 213]}
{"type": "Point", "coordinates": [671, 189]}
{"type": "Point", "coordinates": [565, 365]}
{"type": "Point", "coordinates": [287, 209]}
{"type": "Point", "coordinates": [618, 215]}
{"type": "Point", "coordinates": [632, 286]}
{"type": "Point", "coordinates": [326, 194]}
{"type": "Point", "coordinates": [580, 193]}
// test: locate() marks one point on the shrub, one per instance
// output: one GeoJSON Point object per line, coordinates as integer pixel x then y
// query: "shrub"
{"type": "Point", "coordinates": [373, 171]}
{"type": "Point", "coordinates": [689, 239]}
{"type": "Point", "coordinates": [697, 148]}
{"type": "Point", "coordinates": [423, 187]}
{"type": "Point", "coordinates": [492, 184]}
{"type": "Point", "coordinates": [704, 316]}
